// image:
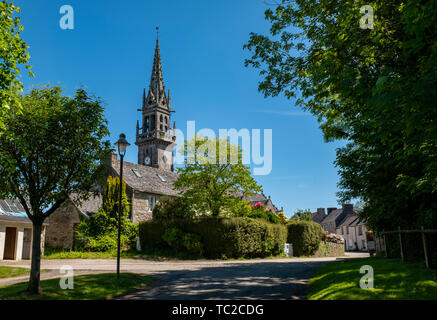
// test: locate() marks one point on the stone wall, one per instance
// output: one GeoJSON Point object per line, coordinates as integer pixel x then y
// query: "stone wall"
{"type": "Point", "coordinates": [329, 249]}
{"type": "Point", "coordinates": [61, 224]}
{"type": "Point", "coordinates": [140, 208]}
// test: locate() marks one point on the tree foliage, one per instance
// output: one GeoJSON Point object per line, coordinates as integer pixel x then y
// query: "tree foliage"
{"type": "Point", "coordinates": [13, 53]}
{"type": "Point", "coordinates": [213, 176]}
{"type": "Point", "coordinates": [302, 215]}
{"type": "Point", "coordinates": [53, 148]}
{"type": "Point", "coordinates": [99, 232]}
{"type": "Point", "coordinates": [376, 88]}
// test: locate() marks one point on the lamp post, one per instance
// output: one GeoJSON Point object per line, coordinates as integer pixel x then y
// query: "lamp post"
{"type": "Point", "coordinates": [121, 144]}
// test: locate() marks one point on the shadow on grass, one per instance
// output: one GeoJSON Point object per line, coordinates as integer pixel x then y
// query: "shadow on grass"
{"type": "Point", "coordinates": [392, 280]}
{"type": "Point", "coordinates": [92, 286]}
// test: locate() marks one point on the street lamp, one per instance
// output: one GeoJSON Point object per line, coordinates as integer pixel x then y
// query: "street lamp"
{"type": "Point", "coordinates": [121, 144]}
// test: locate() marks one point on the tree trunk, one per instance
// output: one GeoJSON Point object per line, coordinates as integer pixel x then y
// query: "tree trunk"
{"type": "Point", "coordinates": [35, 270]}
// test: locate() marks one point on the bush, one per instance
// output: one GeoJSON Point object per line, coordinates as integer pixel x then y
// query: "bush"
{"type": "Point", "coordinates": [230, 237]}
{"type": "Point", "coordinates": [100, 231]}
{"type": "Point", "coordinates": [305, 236]}
{"type": "Point", "coordinates": [172, 208]}
{"type": "Point", "coordinates": [178, 239]}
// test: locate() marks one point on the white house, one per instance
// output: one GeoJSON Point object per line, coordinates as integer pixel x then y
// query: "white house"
{"type": "Point", "coordinates": [355, 233]}
{"type": "Point", "coordinates": [16, 232]}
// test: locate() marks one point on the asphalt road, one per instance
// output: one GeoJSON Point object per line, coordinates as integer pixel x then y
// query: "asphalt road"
{"type": "Point", "coordinates": [285, 278]}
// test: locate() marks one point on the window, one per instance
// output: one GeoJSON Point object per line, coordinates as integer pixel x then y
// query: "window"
{"type": "Point", "coordinates": [347, 230]}
{"type": "Point", "coordinates": [360, 230]}
{"type": "Point", "coordinates": [152, 201]}
{"type": "Point", "coordinates": [137, 173]}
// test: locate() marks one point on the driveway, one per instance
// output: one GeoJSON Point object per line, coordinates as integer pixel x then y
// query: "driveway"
{"type": "Point", "coordinates": [284, 278]}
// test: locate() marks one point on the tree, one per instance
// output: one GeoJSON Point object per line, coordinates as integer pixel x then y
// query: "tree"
{"type": "Point", "coordinates": [13, 52]}
{"type": "Point", "coordinates": [374, 87]}
{"type": "Point", "coordinates": [172, 208]}
{"type": "Point", "coordinates": [213, 176]}
{"type": "Point", "coordinates": [99, 232]}
{"type": "Point", "coordinates": [50, 150]}
{"type": "Point", "coordinates": [303, 215]}
{"type": "Point", "coordinates": [282, 217]}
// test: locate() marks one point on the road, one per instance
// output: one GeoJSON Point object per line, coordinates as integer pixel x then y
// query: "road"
{"type": "Point", "coordinates": [283, 278]}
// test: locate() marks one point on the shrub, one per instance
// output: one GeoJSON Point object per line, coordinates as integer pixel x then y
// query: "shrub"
{"type": "Point", "coordinates": [259, 211]}
{"type": "Point", "coordinates": [230, 237]}
{"type": "Point", "coordinates": [172, 208]}
{"type": "Point", "coordinates": [305, 236]}
{"type": "Point", "coordinates": [99, 232]}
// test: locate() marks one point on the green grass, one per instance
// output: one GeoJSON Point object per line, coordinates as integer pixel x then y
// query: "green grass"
{"type": "Point", "coordinates": [158, 254]}
{"type": "Point", "coordinates": [392, 280]}
{"type": "Point", "coordinates": [86, 287]}
{"type": "Point", "coordinates": [161, 254]}
{"type": "Point", "coordinates": [9, 272]}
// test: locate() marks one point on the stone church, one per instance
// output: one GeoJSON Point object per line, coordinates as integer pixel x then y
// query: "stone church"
{"type": "Point", "coordinates": [146, 181]}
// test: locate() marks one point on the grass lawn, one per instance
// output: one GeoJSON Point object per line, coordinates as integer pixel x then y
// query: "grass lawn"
{"type": "Point", "coordinates": [86, 287]}
{"type": "Point", "coordinates": [129, 254]}
{"type": "Point", "coordinates": [392, 280]}
{"type": "Point", "coordinates": [9, 272]}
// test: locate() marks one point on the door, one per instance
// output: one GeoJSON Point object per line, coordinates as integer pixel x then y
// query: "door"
{"type": "Point", "coordinates": [27, 240]}
{"type": "Point", "coordinates": [10, 239]}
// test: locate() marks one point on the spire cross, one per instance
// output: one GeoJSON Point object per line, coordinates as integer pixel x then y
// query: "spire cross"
{"type": "Point", "coordinates": [157, 33]}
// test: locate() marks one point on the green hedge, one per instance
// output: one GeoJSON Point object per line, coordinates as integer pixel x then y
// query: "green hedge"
{"type": "Point", "coordinates": [221, 237]}
{"type": "Point", "coordinates": [305, 237]}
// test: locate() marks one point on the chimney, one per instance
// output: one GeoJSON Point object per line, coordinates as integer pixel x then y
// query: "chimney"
{"type": "Point", "coordinates": [348, 208]}
{"type": "Point", "coordinates": [321, 211]}
{"type": "Point", "coordinates": [112, 158]}
{"type": "Point", "coordinates": [331, 209]}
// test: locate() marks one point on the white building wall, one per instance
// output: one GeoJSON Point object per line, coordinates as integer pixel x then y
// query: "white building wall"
{"type": "Point", "coordinates": [2, 240]}
{"type": "Point", "coordinates": [19, 243]}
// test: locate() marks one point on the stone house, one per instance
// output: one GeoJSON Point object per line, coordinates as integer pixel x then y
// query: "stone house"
{"type": "Point", "coordinates": [16, 232]}
{"type": "Point", "coordinates": [62, 223]}
{"type": "Point", "coordinates": [355, 233]}
{"type": "Point", "coordinates": [334, 217]}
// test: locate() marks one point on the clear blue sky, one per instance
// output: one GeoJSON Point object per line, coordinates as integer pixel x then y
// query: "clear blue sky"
{"type": "Point", "coordinates": [110, 51]}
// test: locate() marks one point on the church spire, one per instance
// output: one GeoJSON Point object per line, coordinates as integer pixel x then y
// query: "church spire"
{"type": "Point", "coordinates": [157, 88]}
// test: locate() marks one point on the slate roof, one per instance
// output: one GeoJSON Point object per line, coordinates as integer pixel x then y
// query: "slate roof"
{"type": "Point", "coordinates": [348, 220]}
{"type": "Point", "coordinates": [318, 217]}
{"type": "Point", "coordinates": [150, 179]}
{"type": "Point", "coordinates": [10, 207]}
{"type": "Point", "coordinates": [12, 211]}
{"type": "Point", "coordinates": [90, 206]}
{"type": "Point", "coordinates": [332, 216]}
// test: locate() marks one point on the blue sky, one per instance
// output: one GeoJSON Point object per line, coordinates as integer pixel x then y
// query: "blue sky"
{"type": "Point", "coordinates": [110, 51]}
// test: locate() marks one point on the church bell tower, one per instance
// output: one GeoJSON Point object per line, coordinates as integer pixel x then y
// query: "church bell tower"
{"type": "Point", "coordinates": [155, 138]}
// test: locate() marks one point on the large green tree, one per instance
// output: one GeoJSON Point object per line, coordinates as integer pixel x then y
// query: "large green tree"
{"type": "Point", "coordinates": [214, 177]}
{"type": "Point", "coordinates": [13, 53]}
{"type": "Point", "coordinates": [51, 149]}
{"type": "Point", "coordinates": [375, 87]}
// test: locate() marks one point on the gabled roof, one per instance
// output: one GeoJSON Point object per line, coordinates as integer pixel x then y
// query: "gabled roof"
{"type": "Point", "coordinates": [348, 220]}
{"type": "Point", "coordinates": [10, 207]}
{"type": "Point", "coordinates": [11, 210]}
{"type": "Point", "coordinates": [90, 206]}
{"type": "Point", "coordinates": [318, 216]}
{"type": "Point", "coordinates": [332, 216]}
{"type": "Point", "coordinates": [147, 179]}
